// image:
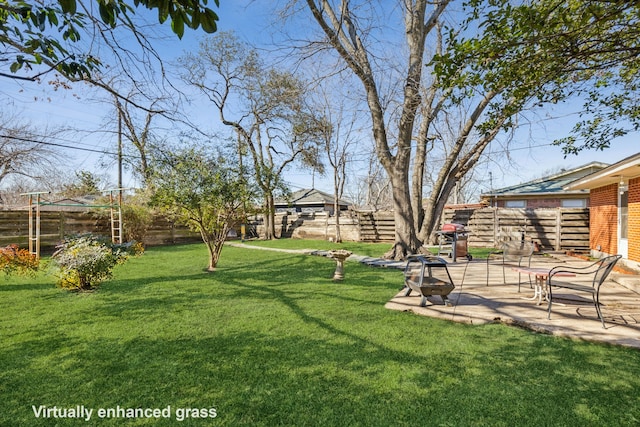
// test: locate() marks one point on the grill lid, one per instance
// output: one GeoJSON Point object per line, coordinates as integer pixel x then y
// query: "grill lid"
{"type": "Point", "coordinates": [452, 227]}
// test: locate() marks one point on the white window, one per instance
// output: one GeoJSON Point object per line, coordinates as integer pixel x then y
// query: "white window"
{"type": "Point", "coordinates": [573, 203]}
{"type": "Point", "coordinates": [515, 204]}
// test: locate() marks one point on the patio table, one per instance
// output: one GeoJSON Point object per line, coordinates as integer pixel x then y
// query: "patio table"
{"type": "Point", "coordinates": [541, 275]}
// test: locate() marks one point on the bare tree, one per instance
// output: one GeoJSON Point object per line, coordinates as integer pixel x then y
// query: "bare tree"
{"type": "Point", "coordinates": [264, 106]}
{"type": "Point", "coordinates": [411, 86]}
{"type": "Point", "coordinates": [345, 34]}
{"type": "Point", "coordinates": [135, 127]}
{"type": "Point", "coordinates": [372, 190]}
{"type": "Point", "coordinates": [24, 150]}
{"type": "Point", "coordinates": [340, 133]}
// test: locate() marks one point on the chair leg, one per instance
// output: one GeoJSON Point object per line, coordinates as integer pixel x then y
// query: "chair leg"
{"type": "Point", "coordinates": [487, 271]}
{"type": "Point", "coordinates": [598, 310]}
{"type": "Point", "coordinates": [550, 298]}
{"type": "Point", "coordinates": [519, 281]}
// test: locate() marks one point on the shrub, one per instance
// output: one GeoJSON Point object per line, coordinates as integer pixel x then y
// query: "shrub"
{"type": "Point", "coordinates": [85, 261]}
{"type": "Point", "coordinates": [14, 260]}
{"type": "Point", "coordinates": [137, 220]}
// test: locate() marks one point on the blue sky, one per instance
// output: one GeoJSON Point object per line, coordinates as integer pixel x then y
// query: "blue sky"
{"type": "Point", "coordinates": [530, 157]}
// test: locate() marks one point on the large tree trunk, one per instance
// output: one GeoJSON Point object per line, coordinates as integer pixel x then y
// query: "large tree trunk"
{"type": "Point", "coordinates": [417, 183]}
{"type": "Point", "coordinates": [434, 207]}
{"type": "Point", "coordinates": [406, 240]}
{"type": "Point", "coordinates": [269, 217]}
{"type": "Point", "coordinates": [342, 33]}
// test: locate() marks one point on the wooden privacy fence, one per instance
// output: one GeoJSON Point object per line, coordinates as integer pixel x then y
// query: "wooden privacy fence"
{"type": "Point", "coordinates": [376, 226]}
{"type": "Point", "coordinates": [54, 225]}
{"type": "Point", "coordinates": [557, 229]}
{"type": "Point", "coordinates": [554, 229]}
{"type": "Point", "coordinates": [307, 225]}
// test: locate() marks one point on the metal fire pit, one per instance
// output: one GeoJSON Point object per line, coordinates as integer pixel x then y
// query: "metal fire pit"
{"type": "Point", "coordinates": [452, 241]}
{"type": "Point", "coordinates": [428, 275]}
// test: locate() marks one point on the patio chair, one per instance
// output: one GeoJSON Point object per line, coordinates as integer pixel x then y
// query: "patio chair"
{"type": "Point", "coordinates": [591, 279]}
{"type": "Point", "coordinates": [512, 254]}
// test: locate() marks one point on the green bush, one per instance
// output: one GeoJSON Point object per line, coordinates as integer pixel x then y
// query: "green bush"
{"type": "Point", "coordinates": [137, 220]}
{"type": "Point", "coordinates": [85, 261]}
{"type": "Point", "coordinates": [137, 217]}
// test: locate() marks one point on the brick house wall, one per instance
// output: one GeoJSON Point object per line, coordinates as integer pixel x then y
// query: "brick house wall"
{"type": "Point", "coordinates": [634, 220]}
{"type": "Point", "coordinates": [603, 219]}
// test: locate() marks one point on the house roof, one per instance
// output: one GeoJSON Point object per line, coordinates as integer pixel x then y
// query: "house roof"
{"type": "Point", "coordinates": [310, 197]}
{"type": "Point", "coordinates": [550, 184]}
{"type": "Point", "coordinates": [621, 171]}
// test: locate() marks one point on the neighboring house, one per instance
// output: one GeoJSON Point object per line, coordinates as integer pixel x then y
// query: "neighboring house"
{"type": "Point", "coordinates": [310, 200]}
{"type": "Point", "coordinates": [615, 209]}
{"type": "Point", "coordinates": [547, 192]}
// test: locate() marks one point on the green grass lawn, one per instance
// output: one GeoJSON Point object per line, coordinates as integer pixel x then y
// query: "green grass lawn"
{"type": "Point", "coordinates": [270, 340]}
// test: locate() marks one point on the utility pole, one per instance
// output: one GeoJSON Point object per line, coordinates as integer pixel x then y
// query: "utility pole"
{"type": "Point", "coordinates": [120, 148]}
{"type": "Point", "coordinates": [116, 215]}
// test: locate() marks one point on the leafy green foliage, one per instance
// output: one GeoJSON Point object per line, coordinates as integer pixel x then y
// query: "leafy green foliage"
{"type": "Point", "coordinates": [27, 41]}
{"type": "Point", "coordinates": [552, 51]}
{"type": "Point", "coordinates": [502, 59]}
{"type": "Point", "coordinates": [204, 193]}
{"type": "Point", "coordinates": [85, 183]}
{"type": "Point", "coordinates": [85, 261]}
{"type": "Point", "coordinates": [35, 33]}
{"type": "Point", "coordinates": [14, 260]}
{"type": "Point", "coordinates": [137, 220]}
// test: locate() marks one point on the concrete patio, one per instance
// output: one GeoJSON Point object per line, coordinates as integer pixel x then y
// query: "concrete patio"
{"type": "Point", "coordinates": [476, 303]}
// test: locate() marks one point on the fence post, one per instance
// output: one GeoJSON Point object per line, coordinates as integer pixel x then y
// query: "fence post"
{"type": "Point", "coordinates": [558, 229]}
{"type": "Point", "coordinates": [61, 227]}
{"type": "Point", "coordinates": [496, 226]}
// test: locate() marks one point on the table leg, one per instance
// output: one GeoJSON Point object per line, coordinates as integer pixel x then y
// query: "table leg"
{"type": "Point", "coordinates": [538, 290]}
{"type": "Point", "coordinates": [541, 291]}
{"type": "Point", "coordinates": [535, 293]}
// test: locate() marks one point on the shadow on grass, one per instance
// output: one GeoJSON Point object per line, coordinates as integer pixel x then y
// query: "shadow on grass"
{"type": "Point", "coordinates": [272, 278]}
{"type": "Point", "coordinates": [339, 377]}
{"type": "Point", "coordinates": [12, 287]}
{"type": "Point", "coordinates": [276, 342]}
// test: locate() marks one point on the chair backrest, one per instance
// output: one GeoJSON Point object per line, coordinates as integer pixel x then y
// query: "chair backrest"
{"type": "Point", "coordinates": [605, 265]}
{"type": "Point", "coordinates": [515, 251]}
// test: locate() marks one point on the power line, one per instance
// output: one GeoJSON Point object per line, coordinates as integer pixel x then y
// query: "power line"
{"type": "Point", "coordinates": [54, 144]}
{"type": "Point", "coordinates": [365, 156]}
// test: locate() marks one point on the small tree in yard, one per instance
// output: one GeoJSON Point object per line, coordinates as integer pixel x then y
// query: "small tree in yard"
{"type": "Point", "coordinates": [204, 193]}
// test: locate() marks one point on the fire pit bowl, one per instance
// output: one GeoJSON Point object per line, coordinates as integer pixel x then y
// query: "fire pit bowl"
{"type": "Point", "coordinates": [428, 275]}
